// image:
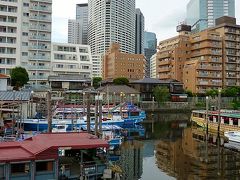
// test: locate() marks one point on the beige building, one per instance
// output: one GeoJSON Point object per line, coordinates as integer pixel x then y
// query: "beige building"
{"type": "Point", "coordinates": [230, 32]}
{"type": "Point", "coordinates": [171, 56]}
{"type": "Point", "coordinates": [205, 60]}
{"type": "Point", "coordinates": [204, 69]}
{"type": "Point", "coordinates": [117, 64]}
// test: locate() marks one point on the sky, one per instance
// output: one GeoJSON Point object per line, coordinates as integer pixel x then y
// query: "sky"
{"type": "Point", "coordinates": [161, 16]}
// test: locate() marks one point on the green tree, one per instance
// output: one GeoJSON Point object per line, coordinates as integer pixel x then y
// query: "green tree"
{"type": "Point", "coordinates": [161, 94]}
{"type": "Point", "coordinates": [230, 92]}
{"type": "Point", "coordinates": [212, 92]}
{"type": "Point", "coordinates": [19, 77]}
{"type": "Point", "coordinates": [121, 81]}
{"type": "Point", "coordinates": [189, 93]}
{"type": "Point", "coordinates": [96, 82]}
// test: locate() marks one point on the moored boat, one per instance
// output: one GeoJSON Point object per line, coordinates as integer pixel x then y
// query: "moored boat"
{"type": "Point", "coordinates": [233, 136]}
{"type": "Point", "coordinates": [130, 116]}
{"type": "Point", "coordinates": [229, 120]}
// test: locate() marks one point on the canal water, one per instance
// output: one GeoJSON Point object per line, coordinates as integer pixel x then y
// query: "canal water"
{"type": "Point", "coordinates": [176, 149]}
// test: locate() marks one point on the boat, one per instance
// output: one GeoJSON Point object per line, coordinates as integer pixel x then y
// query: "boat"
{"type": "Point", "coordinates": [61, 127]}
{"type": "Point", "coordinates": [233, 136]}
{"type": "Point", "coordinates": [229, 120]}
{"type": "Point", "coordinates": [130, 115]}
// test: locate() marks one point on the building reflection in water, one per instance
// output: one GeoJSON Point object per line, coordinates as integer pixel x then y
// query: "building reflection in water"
{"type": "Point", "coordinates": [131, 160]}
{"type": "Point", "coordinates": [192, 157]}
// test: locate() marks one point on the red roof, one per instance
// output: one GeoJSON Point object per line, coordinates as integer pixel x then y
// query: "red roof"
{"type": "Point", "coordinates": [4, 76]}
{"type": "Point", "coordinates": [44, 146]}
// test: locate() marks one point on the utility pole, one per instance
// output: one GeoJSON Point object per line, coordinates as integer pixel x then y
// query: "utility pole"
{"type": "Point", "coordinates": [49, 110]}
{"type": "Point", "coordinates": [88, 112]}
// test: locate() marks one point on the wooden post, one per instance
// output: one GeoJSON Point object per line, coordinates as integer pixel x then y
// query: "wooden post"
{"type": "Point", "coordinates": [88, 112]}
{"type": "Point", "coordinates": [100, 116]}
{"type": "Point", "coordinates": [96, 114]}
{"type": "Point", "coordinates": [49, 110]}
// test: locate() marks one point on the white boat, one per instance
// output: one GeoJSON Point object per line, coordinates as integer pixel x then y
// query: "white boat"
{"type": "Point", "coordinates": [61, 127]}
{"type": "Point", "coordinates": [233, 136]}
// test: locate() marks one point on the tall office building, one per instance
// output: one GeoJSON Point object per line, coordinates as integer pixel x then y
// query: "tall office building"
{"type": "Point", "coordinates": [201, 14]}
{"type": "Point", "coordinates": [74, 32]}
{"type": "Point", "coordinates": [111, 21]}
{"type": "Point", "coordinates": [78, 28]}
{"type": "Point", "coordinates": [25, 37]}
{"type": "Point", "coordinates": [139, 32]}
{"type": "Point", "coordinates": [82, 18]}
{"type": "Point", "coordinates": [150, 48]}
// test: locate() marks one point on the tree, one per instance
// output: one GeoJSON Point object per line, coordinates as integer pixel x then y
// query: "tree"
{"type": "Point", "coordinates": [96, 82]}
{"type": "Point", "coordinates": [213, 93]}
{"type": "Point", "coordinates": [19, 77]}
{"type": "Point", "coordinates": [231, 92]}
{"type": "Point", "coordinates": [121, 81]}
{"type": "Point", "coordinates": [161, 94]}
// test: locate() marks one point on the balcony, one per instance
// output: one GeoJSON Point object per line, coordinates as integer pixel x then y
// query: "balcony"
{"type": "Point", "coordinates": [43, 48]}
{"type": "Point", "coordinates": [39, 8]}
{"type": "Point", "coordinates": [164, 55]}
{"type": "Point", "coordinates": [38, 67]}
{"type": "Point", "coordinates": [43, 77]}
{"type": "Point", "coordinates": [40, 18]}
{"type": "Point", "coordinates": [40, 38]}
{"type": "Point", "coordinates": [46, 1]}
{"type": "Point", "coordinates": [203, 82]}
{"type": "Point", "coordinates": [40, 28]}
{"type": "Point", "coordinates": [161, 63]}
{"type": "Point", "coordinates": [41, 58]}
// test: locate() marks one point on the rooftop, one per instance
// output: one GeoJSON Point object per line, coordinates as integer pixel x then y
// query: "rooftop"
{"type": "Point", "coordinates": [15, 95]}
{"type": "Point", "coordinates": [118, 89]}
{"type": "Point", "coordinates": [43, 146]}
{"type": "Point", "coordinates": [4, 76]}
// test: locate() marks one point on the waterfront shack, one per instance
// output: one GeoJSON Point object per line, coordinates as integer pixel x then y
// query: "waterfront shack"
{"type": "Point", "coordinates": [53, 156]}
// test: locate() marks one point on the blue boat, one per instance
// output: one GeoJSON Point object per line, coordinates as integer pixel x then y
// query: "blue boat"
{"type": "Point", "coordinates": [130, 115]}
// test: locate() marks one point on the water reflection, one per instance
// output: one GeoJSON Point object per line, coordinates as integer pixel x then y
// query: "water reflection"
{"type": "Point", "coordinates": [193, 155]}
{"type": "Point", "coordinates": [176, 150]}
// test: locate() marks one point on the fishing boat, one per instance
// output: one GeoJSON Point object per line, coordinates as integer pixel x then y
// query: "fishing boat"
{"type": "Point", "coordinates": [233, 136]}
{"type": "Point", "coordinates": [130, 115]}
{"type": "Point", "coordinates": [229, 120]}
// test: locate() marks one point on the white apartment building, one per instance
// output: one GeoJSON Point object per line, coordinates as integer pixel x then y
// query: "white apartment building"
{"type": "Point", "coordinates": [97, 65]}
{"type": "Point", "coordinates": [71, 59]}
{"type": "Point", "coordinates": [111, 21]}
{"type": "Point", "coordinates": [153, 62]}
{"type": "Point", "coordinates": [25, 37]}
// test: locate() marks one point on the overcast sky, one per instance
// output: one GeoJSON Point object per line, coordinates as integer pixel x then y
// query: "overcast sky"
{"type": "Point", "coordinates": [161, 16]}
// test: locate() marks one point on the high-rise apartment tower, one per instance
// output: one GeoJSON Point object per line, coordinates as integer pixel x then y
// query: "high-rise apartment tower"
{"type": "Point", "coordinates": [111, 21]}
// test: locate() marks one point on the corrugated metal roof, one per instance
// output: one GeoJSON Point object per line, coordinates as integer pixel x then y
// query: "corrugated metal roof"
{"type": "Point", "coordinates": [15, 95]}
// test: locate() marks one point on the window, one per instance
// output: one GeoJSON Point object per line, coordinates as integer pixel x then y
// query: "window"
{"type": "Point", "coordinates": [26, 4]}
{"type": "Point", "coordinates": [44, 166]}
{"type": "Point", "coordinates": [21, 168]}
{"type": "Point", "coordinates": [24, 53]}
{"type": "Point", "coordinates": [25, 34]}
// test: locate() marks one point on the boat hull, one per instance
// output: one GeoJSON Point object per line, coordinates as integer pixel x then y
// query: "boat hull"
{"type": "Point", "coordinates": [42, 125]}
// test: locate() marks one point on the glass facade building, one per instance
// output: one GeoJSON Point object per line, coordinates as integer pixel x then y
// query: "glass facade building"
{"type": "Point", "coordinates": [150, 48]}
{"type": "Point", "coordinates": [201, 14]}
